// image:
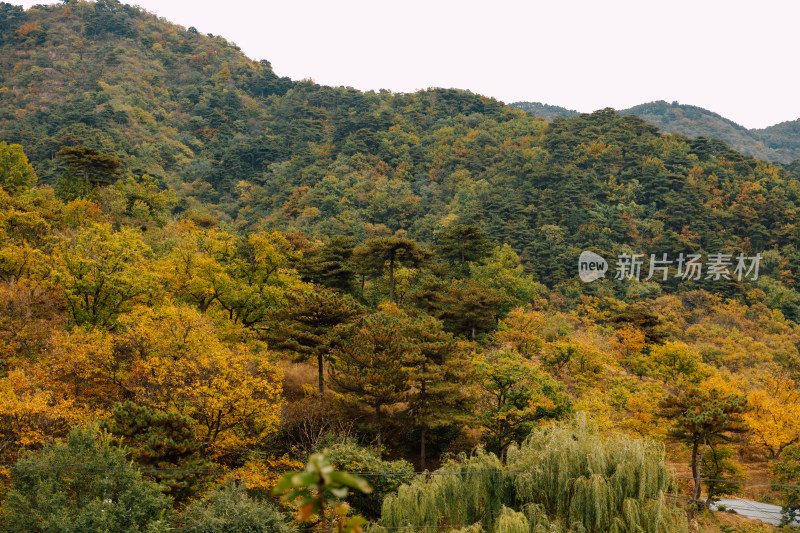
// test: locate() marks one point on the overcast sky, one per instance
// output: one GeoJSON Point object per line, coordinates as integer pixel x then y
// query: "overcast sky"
{"type": "Point", "coordinates": [736, 58]}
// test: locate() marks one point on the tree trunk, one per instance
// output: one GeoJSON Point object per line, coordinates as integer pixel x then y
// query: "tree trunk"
{"type": "Point", "coordinates": [321, 376]}
{"type": "Point", "coordinates": [696, 462]}
{"type": "Point", "coordinates": [695, 476]}
{"type": "Point", "coordinates": [422, 448]}
{"type": "Point", "coordinates": [378, 420]}
{"type": "Point", "coordinates": [391, 279]}
{"type": "Point", "coordinates": [422, 398]}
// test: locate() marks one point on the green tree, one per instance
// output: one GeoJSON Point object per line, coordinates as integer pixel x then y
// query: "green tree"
{"type": "Point", "coordinates": [516, 395]}
{"type": "Point", "coordinates": [84, 484]}
{"type": "Point", "coordinates": [703, 418]}
{"type": "Point", "coordinates": [136, 202]}
{"type": "Point", "coordinates": [368, 362]}
{"type": "Point", "coordinates": [330, 265]}
{"type": "Point", "coordinates": [567, 477]}
{"type": "Point", "coordinates": [786, 471]}
{"type": "Point", "coordinates": [229, 509]}
{"type": "Point", "coordinates": [437, 376]}
{"type": "Point", "coordinates": [350, 457]}
{"type": "Point", "coordinates": [91, 166]}
{"type": "Point", "coordinates": [386, 253]}
{"type": "Point", "coordinates": [461, 243]}
{"type": "Point", "coordinates": [468, 306]}
{"type": "Point", "coordinates": [16, 174]}
{"type": "Point", "coordinates": [160, 441]}
{"type": "Point", "coordinates": [717, 467]}
{"type": "Point", "coordinates": [309, 322]}
{"type": "Point", "coordinates": [641, 318]}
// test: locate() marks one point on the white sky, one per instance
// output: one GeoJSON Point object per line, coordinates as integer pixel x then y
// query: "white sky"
{"type": "Point", "coordinates": [736, 58]}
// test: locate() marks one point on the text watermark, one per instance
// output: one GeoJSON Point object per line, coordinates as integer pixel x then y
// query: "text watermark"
{"type": "Point", "coordinates": [715, 267]}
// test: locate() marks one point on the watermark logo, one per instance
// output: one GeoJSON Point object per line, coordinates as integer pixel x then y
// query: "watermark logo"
{"type": "Point", "coordinates": [685, 267]}
{"type": "Point", "coordinates": [591, 266]}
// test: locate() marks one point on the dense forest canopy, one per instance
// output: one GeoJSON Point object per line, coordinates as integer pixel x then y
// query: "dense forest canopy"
{"type": "Point", "coordinates": [209, 273]}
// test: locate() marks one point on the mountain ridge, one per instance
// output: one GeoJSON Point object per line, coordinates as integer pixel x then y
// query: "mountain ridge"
{"type": "Point", "coordinates": [777, 143]}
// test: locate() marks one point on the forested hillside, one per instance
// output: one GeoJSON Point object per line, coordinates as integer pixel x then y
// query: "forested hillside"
{"type": "Point", "coordinates": [210, 273]}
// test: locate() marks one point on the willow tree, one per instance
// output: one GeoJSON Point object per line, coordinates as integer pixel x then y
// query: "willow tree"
{"type": "Point", "coordinates": [564, 477]}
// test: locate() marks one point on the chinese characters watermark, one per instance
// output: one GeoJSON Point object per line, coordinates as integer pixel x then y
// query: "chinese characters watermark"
{"type": "Point", "coordinates": [716, 267]}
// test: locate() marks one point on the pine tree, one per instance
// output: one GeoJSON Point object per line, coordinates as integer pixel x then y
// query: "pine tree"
{"type": "Point", "coordinates": [159, 440]}
{"type": "Point", "coordinates": [437, 376]}
{"type": "Point", "coordinates": [90, 165]}
{"type": "Point", "coordinates": [703, 418]}
{"type": "Point", "coordinates": [309, 322]}
{"type": "Point", "coordinates": [461, 243]}
{"type": "Point", "coordinates": [469, 307]}
{"type": "Point", "coordinates": [368, 362]}
{"type": "Point", "coordinates": [386, 253]}
{"type": "Point", "coordinates": [330, 265]}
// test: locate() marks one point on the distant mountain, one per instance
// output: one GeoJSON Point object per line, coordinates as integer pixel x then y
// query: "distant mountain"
{"type": "Point", "coordinates": [783, 138]}
{"type": "Point", "coordinates": [779, 143]}
{"type": "Point", "coordinates": [694, 121]}
{"type": "Point", "coordinates": [545, 111]}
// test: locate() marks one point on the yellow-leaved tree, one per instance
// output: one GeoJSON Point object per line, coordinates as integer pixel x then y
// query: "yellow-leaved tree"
{"type": "Point", "coordinates": [194, 270]}
{"type": "Point", "coordinates": [30, 415]}
{"type": "Point", "coordinates": [102, 273]}
{"type": "Point", "coordinates": [772, 418]}
{"type": "Point", "coordinates": [232, 393]}
{"type": "Point", "coordinates": [520, 330]}
{"type": "Point", "coordinates": [169, 359]}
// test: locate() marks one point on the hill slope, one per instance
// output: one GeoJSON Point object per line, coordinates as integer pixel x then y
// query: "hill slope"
{"type": "Point", "coordinates": [255, 150]}
{"type": "Point", "coordinates": [783, 138]}
{"type": "Point", "coordinates": [120, 80]}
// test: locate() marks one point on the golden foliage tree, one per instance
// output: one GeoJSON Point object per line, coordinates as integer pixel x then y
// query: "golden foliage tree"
{"type": "Point", "coordinates": [772, 418]}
